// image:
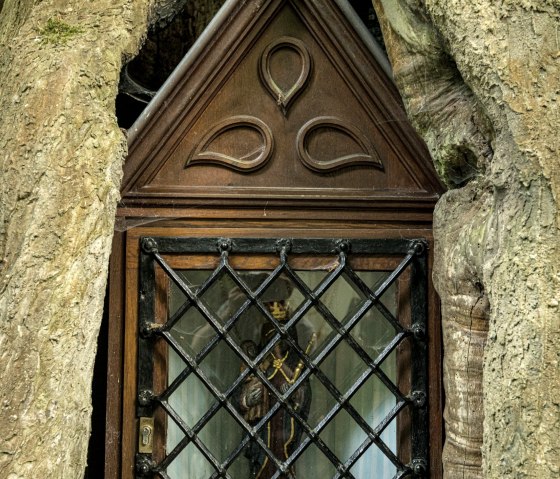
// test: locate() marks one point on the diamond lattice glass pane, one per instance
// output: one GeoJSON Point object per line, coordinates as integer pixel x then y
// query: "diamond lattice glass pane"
{"type": "Point", "coordinates": [175, 365]}
{"type": "Point", "coordinates": [174, 435]}
{"type": "Point", "coordinates": [295, 300]}
{"type": "Point", "coordinates": [343, 367]}
{"type": "Point", "coordinates": [223, 297]}
{"type": "Point", "coordinates": [282, 435]}
{"type": "Point", "coordinates": [221, 435]}
{"type": "Point", "coordinates": [311, 279]}
{"type": "Point", "coordinates": [247, 331]}
{"type": "Point", "coordinates": [221, 366]}
{"type": "Point", "coordinates": [240, 467]}
{"type": "Point", "coordinates": [389, 438]}
{"type": "Point", "coordinates": [343, 298]}
{"type": "Point", "coordinates": [192, 331]}
{"type": "Point", "coordinates": [373, 459]}
{"type": "Point", "coordinates": [314, 332]}
{"type": "Point", "coordinates": [191, 400]}
{"type": "Point", "coordinates": [314, 464]}
{"type": "Point", "coordinates": [280, 289]}
{"type": "Point", "coordinates": [190, 463]}
{"type": "Point", "coordinates": [322, 402]}
{"type": "Point", "coordinates": [374, 402]}
{"type": "Point", "coordinates": [400, 360]}
{"type": "Point", "coordinates": [389, 366]}
{"type": "Point", "coordinates": [373, 333]}
{"type": "Point", "coordinates": [373, 279]}
{"type": "Point", "coordinates": [343, 435]}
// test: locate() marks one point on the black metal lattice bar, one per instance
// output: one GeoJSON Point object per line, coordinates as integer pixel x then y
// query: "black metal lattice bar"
{"type": "Point", "coordinates": [343, 403]}
{"type": "Point", "coordinates": [222, 399]}
{"type": "Point", "coordinates": [343, 331]}
{"type": "Point", "coordinates": [153, 249]}
{"type": "Point", "coordinates": [186, 358]}
{"type": "Point", "coordinates": [229, 324]}
{"type": "Point", "coordinates": [317, 440]}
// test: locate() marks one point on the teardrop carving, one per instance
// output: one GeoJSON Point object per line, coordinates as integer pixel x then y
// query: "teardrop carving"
{"type": "Point", "coordinates": [284, 97]}
{"type": "Point", "coordinates": [348, 145]}
{"type": "Point", "coordinates": [241, 142]}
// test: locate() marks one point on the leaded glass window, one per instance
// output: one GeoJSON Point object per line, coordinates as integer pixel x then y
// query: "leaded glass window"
{"type": "Point", "coordinates": [277, 358]}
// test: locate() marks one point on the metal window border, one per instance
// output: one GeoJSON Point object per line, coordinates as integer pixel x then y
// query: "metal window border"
{"type": "Point", "coordinates": [415, 248]}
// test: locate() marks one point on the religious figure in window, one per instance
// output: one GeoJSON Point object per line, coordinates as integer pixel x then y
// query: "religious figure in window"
{"type": "Point", "coordinates": [282, 367]}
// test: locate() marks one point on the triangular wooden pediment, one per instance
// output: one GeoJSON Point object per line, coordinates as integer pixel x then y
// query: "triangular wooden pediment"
{"type": "Point", "coordinates": [278, 101]}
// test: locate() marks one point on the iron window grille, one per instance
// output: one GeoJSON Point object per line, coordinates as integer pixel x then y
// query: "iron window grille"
{"type": "Point", "coordinates": [413, 254]}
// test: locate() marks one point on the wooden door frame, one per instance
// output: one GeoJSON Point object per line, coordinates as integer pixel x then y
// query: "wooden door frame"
{"type": "Point", "coordinates": [120, 429]}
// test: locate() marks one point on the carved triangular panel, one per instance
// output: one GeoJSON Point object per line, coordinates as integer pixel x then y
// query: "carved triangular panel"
{"type": "Point", "coordinates": [279, 102]}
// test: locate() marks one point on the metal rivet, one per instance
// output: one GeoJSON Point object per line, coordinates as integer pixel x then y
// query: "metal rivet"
{"type": "Point", "coordinates": [144, 465]}
{"type": "Point", "coordinates": [145, 397]}
{"type": "Point", "coordinates": [419, 331]}
{"type": "Point", "coordinates": [343, 246]}
{"type": "Point", "coordinates": [284, 245]}
{"type": "Point", "coordinates": [224, 244]}
{"type": "Point", "coordinates": [149, 245]}
{"type": "Point", "coordinates": [418, 398]}
{"type": "Point", "coordinates": [420, 467]}
{"type": "Point", "coordinates": [418, 248]}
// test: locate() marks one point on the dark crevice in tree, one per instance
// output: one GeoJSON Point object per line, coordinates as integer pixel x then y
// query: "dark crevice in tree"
{"type": "Point", "coordinates": [166, 44]}
{"type": "Point", "coordinates": [367, 14]}
{"type": "Point", "coordinates": [464, 169]}
{"type": "Point", "coordinates": [96, 447]}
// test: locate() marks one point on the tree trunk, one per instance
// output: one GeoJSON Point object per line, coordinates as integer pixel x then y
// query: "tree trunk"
{"type": "Point", "coordinates": [61, 167]}
{"type": "Point", "coordinates": [62, 153]}
{"type": "Point", "coordinates": [480, 82]}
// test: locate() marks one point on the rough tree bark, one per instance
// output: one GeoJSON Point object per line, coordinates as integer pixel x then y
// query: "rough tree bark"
{"type": "Point", "coordinates": [61, 155]}
{"type": "Point", "coordinates": [480, 81]}
{"type": "Point", "coordinates": [61, 152]}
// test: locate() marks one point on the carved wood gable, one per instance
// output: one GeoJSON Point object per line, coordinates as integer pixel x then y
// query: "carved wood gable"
{"type": "Point", "coordinates": [279, 102]}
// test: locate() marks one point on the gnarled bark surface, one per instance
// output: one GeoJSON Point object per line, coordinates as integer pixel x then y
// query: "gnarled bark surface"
{"type": "Point", "coordinates": [61, 152]}
{"type": "Point", "coordinates": [480, 82]}
{"type": "Point", "coordinates": [61, 155]}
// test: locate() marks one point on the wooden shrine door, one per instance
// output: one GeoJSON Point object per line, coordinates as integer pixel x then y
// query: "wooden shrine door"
{"type": "Point", "coordinates": [271, 308]}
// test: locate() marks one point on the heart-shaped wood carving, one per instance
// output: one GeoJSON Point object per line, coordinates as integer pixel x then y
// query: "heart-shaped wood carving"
{"type": "Point", "coordinates": [284, 97]}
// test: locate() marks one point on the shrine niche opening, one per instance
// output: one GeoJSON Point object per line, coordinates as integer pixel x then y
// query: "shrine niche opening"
{"type": "Point", "coordinates": [271, 313]}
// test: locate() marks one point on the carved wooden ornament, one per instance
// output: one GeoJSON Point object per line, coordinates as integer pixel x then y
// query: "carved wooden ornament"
{"type": "Point", "coordinates": [283, 102]}
{"type": "Point", "coordinates": [284, 98]}
{"type": "Point", "coordinates": [363, 154]}
{"type": "Point", "coordinates": [253, 154]}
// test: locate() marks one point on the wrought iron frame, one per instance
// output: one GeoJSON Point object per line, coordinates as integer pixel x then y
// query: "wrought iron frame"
{"type": "Point", "coordinates": [414, 258]}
